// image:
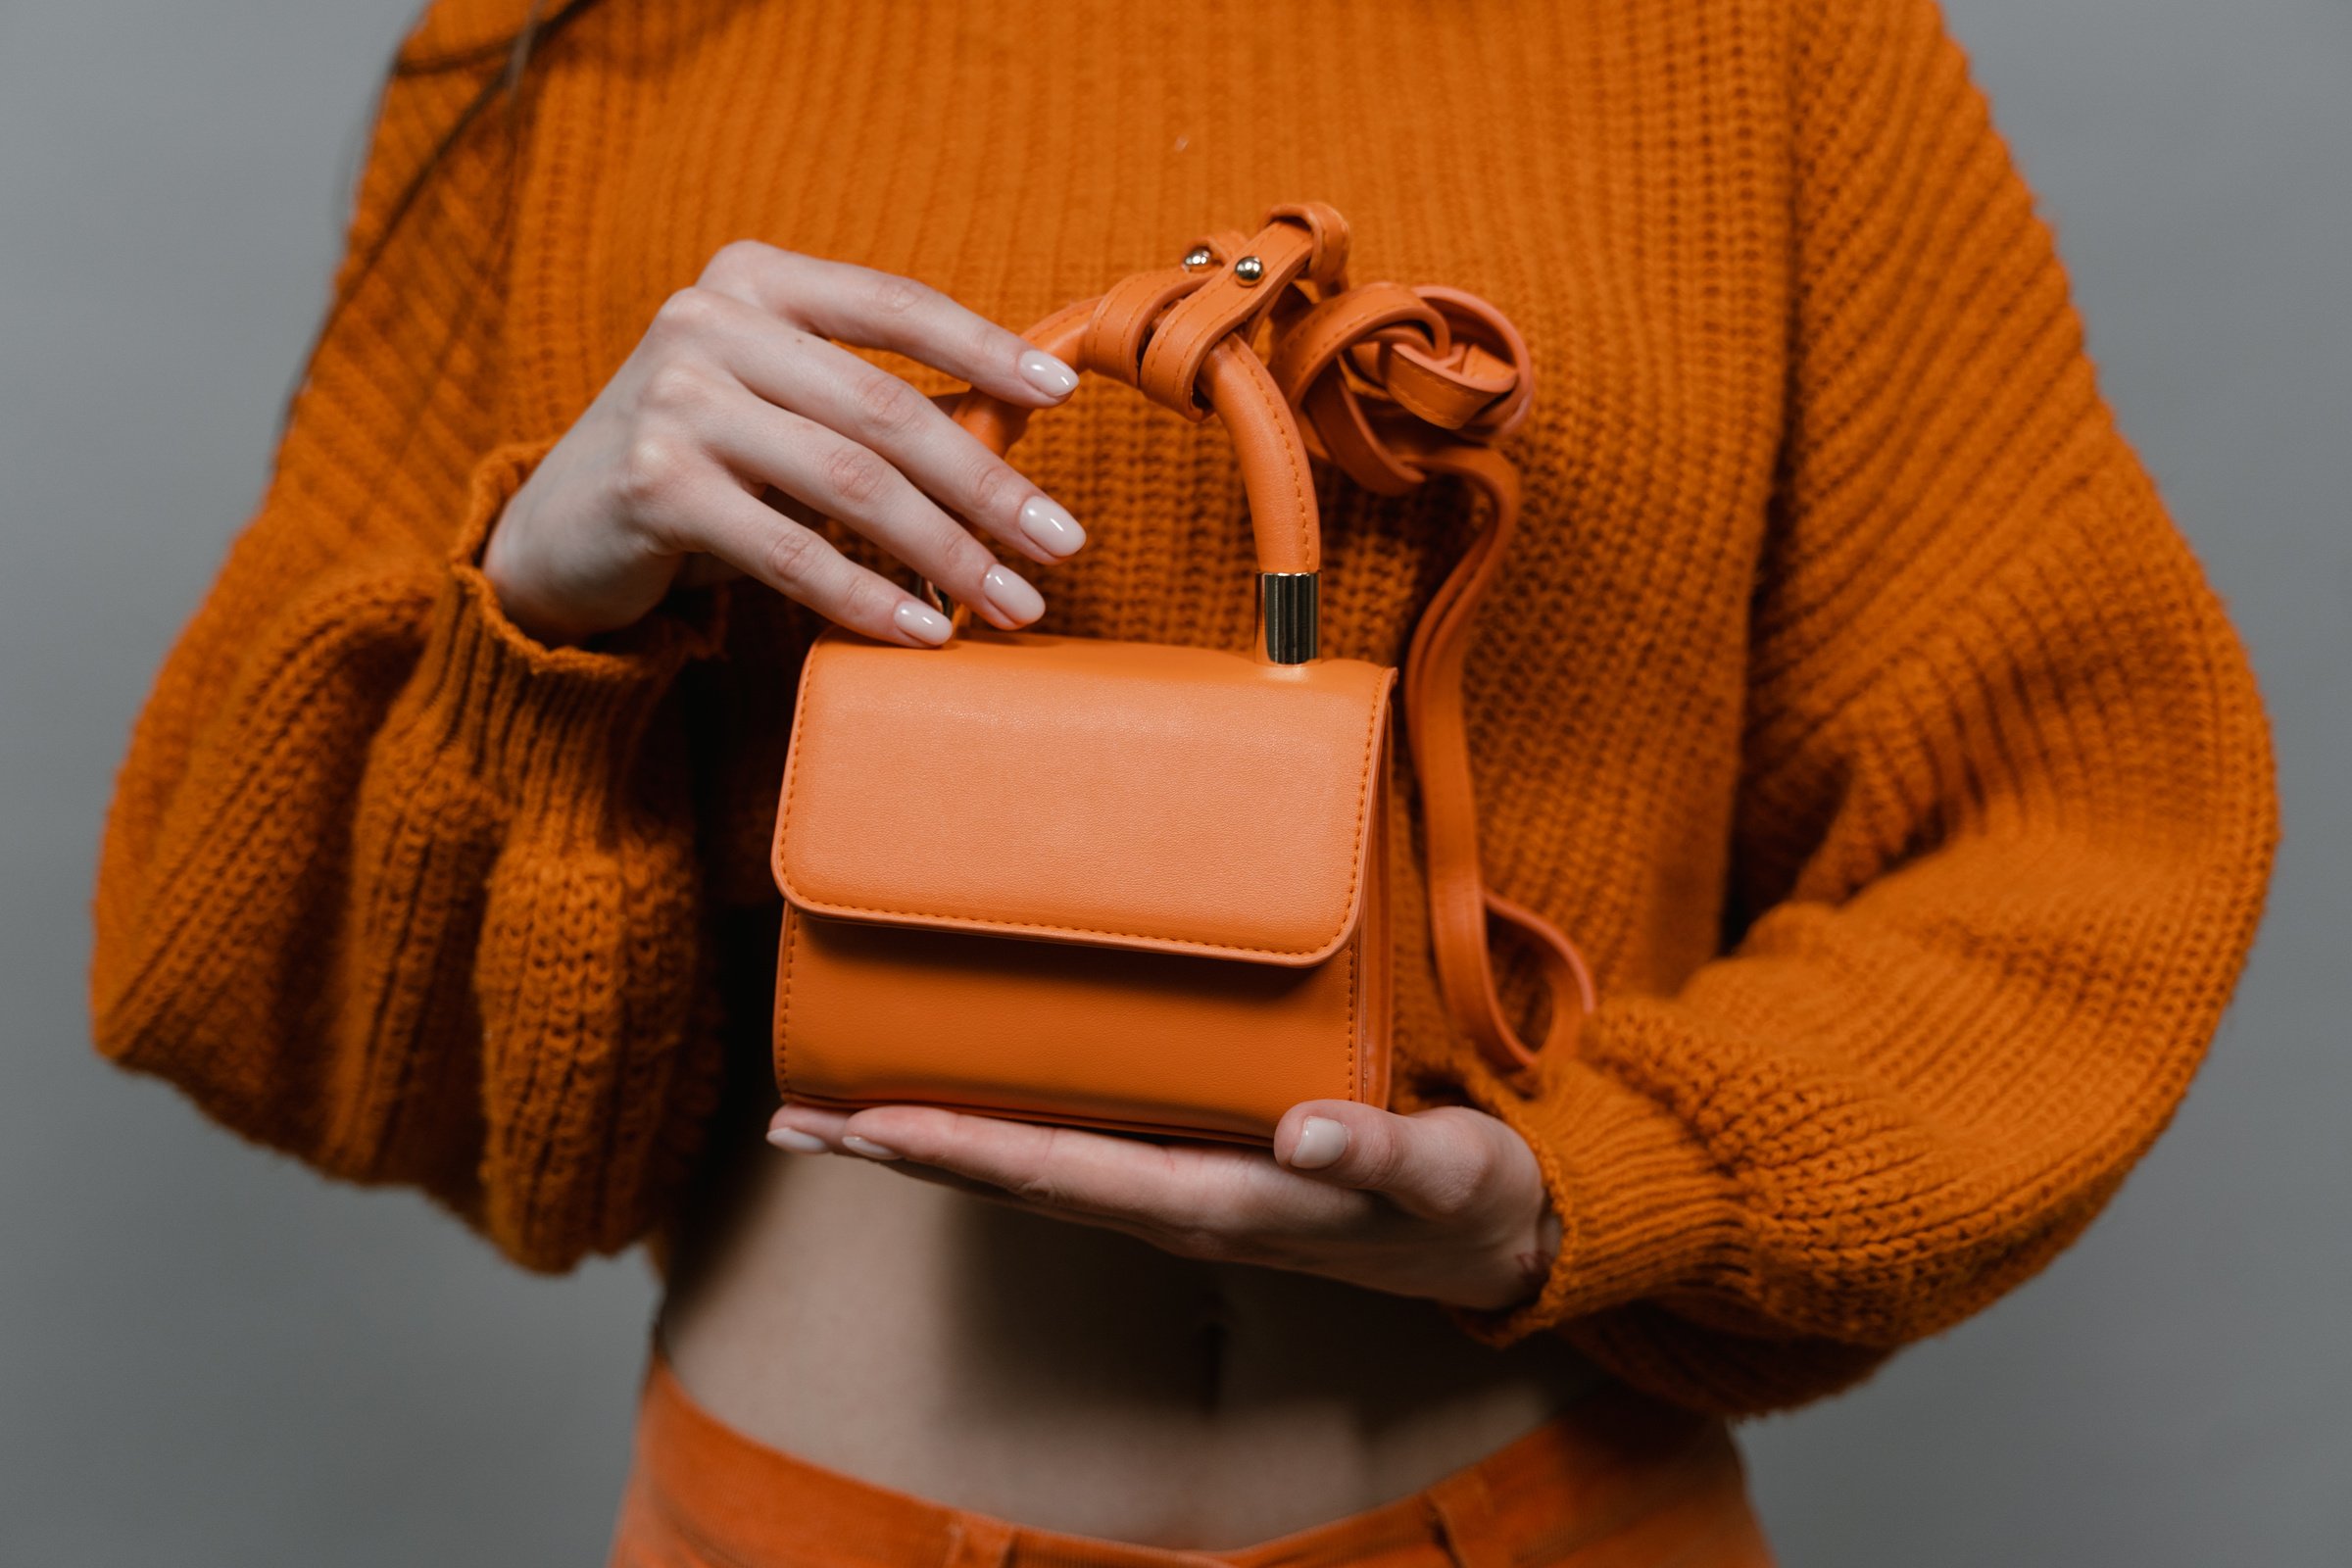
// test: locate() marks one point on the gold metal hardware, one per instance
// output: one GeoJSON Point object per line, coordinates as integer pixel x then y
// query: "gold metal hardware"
{"type": "Point", "coordinates": [1198, 257]}
{"type": "Point", "coordinates": [1248, 271]}
{"type": "Point", "coordinates": [1286, 617]}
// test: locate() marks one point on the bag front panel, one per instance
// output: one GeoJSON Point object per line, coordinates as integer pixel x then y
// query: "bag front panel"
{"type": "Point", "coordinates": [870, 1014]}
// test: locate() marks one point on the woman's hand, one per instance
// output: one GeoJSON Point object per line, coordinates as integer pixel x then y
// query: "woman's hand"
{"type": "Point", "coordinates": [738, 420]}
{"type": "Point", "coordinates": [1445, 1203]}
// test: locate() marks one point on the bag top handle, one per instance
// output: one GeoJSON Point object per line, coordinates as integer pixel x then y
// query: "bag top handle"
{"type": "Point", "coordinates": [1239, 390]}
{"type": "Point", "coordinates": [1180, 335]}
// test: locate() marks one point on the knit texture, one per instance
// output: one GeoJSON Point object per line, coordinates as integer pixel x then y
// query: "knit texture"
{"type": "Point", "coordinates": [1848, 694]}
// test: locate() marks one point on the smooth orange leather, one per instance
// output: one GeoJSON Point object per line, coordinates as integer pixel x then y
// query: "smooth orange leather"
{"type": "Point", "coordinates": [1136, 886]}
{"type": "Point", "coordinates": [1114, 883]}
{"type": "Point", "coordinates": [1127, 795]}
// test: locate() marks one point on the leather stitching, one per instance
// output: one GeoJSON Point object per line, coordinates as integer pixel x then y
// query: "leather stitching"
{"type": "Point", "coordinates": [1353, 1090]}
{"type": "Point", "coordinates": [792, 931]}
{"type": "Point", "coordinates": [1309, 538]}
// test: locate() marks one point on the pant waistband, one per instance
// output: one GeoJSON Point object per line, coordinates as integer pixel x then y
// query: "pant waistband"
{"type": "Point", "coordinates": [1614, 1475]}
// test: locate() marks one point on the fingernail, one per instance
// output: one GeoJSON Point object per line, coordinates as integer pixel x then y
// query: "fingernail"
{"type": "Point", "coordinates": [1012, 598]}
{"type": "Point", "coordinates": [867, 1146]}
{"type": "Point", "coordinates": [1050, 527]}
{"type": "Point", "coordinates": [1048, 374]}
{"type": "Point", "coordinates": [793, 1141]}
{"type": "Point", "coordinates": [922, 622]}
{"type": "Point", "coordinates": [1321, 1143]}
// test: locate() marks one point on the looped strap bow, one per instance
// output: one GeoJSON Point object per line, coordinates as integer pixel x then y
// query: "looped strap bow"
{"type": "Point", "coordinates": [1394, 385]}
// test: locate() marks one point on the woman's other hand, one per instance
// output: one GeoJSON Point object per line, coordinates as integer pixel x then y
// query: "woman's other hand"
{"type": "Point", "coordinates": [740, 418]}
{"type": "Point", "coordinates": [1445, 1203]}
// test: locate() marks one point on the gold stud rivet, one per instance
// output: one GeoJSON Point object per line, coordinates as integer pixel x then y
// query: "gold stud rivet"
{"type": "Point", "coordinates": [1197, 258]}
{"type": "Point", "coordinates": [1249, 269]}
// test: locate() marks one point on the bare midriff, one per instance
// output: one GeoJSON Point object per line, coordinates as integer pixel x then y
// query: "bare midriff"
{"type": "Point", "coordinates": [1067, 1377]}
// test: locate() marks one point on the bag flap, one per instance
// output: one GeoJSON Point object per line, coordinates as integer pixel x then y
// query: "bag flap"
{"type": "Point", "coordinates": [1135, 794]}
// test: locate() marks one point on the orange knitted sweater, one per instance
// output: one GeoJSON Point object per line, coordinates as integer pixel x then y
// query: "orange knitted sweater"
{"type": "Point", "coordinates": [1848, 694]}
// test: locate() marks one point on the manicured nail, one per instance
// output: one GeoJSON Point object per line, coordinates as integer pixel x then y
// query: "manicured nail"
{"type": "Point", "coordinates": [793, 1141]}
{"type": "Point", "coordinates": [1321, 1143]}
{"type": "Point", "coordinates": [1050, 527]}
{"type": "Point", "coordinates": [922, 622]}
{"type": "Point", "coordinates": [867, 1146]}
{"type": "Point", "coordinates": [1048, 374]}
{"type": "Point", "coordinates": [1012, 598]}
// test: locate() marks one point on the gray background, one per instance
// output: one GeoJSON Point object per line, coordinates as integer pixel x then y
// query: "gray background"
{"type": "Point", "coordinates": [207, 1357]}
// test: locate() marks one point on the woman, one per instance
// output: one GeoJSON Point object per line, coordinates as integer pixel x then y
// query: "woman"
{"type": "Point", "coordinates": [1849, 693]}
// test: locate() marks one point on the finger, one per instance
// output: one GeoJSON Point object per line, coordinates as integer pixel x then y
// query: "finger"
{"type": "Point", "coordinates": [879, 309]}
{"type": "Point", "coordinates": [841, 478]}
{"type": "Point", "coordinates": [827, 383]}
{"type": "Point", "coordinates": [815, 1130]}
{"type": "Point", "coordinates": [694, 504]}
{"type": "Point", "coordinates": [1062, 1167]}
{"type": "Point", "coordinates": [1201, 1198]}
{"type": "Point", "coordinates": [807, 1128]}
{"type": "Point", "coordinates": [1432, 1163]}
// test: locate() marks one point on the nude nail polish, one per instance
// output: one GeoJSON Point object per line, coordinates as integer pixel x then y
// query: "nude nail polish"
{"type": "Point", "coordinates": [1048, 374]}
{"type": "Point", "coordinates": [1051, 527]}
{"type": "Point", "coordinates": [1321, 1143]}
{"type": "Point", "coordinates": [793, 1141]}
{"type": "Point", "coordinates": [921, 623]}
{"type": "Point", "coordinates": [1010, 596]}
{"type": "Point", "coordinates": [867, 1146]}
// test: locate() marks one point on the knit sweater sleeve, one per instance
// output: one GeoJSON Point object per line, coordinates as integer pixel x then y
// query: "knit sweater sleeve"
{"type": "Point", "coordinates": [385, 883]}
{"type": "Point", "coordinates": [2006, 819]}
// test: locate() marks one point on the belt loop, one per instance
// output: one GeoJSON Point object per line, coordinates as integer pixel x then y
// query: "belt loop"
{"type": "Point", "coordinates": [1466, 1522]}
{"type": "Point", "coordinates": [975, 1541]}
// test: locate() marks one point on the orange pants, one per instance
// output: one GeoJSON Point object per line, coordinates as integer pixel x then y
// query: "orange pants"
{"type": "Point", "coordinates": [1620, 1481]}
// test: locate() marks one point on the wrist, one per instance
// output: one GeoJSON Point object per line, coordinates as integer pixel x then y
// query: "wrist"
{"type": "Point", "coordinates": [525, 592]}
{"type": "Point", "coordinates": [1534, 1251]}
{"type": "Point", "coordinates": [1525, 1235]}
{"type": "Point", "coordinates": [505, 568]}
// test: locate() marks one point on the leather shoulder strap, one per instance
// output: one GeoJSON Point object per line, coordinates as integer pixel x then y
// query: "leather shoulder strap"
{"type": "Point", "coordinates": [1395, 385]}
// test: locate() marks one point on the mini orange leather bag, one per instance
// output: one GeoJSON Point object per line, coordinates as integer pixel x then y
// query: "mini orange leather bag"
{"type": "Point", "coordinates": [1196, 937]}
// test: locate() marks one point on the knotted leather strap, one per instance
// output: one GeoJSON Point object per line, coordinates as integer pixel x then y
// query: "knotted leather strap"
{"type": "Point", "coordinates": [1266, 439]}
{"type": "Point", "coordinates": [1394, 385]}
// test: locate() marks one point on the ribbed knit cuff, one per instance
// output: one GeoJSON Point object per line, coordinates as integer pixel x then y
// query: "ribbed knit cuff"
{"type": "Point", "coordinates": [535, 717]}
{"type": "Point", "coordinates": [1642, 1209]}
